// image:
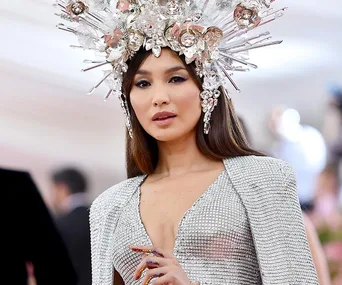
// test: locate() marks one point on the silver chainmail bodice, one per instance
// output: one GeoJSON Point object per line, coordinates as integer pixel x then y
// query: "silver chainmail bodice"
{"type": "Point", "coordinates": [255, 197]}
{"type": "Point", "coordinates": [214, 243]}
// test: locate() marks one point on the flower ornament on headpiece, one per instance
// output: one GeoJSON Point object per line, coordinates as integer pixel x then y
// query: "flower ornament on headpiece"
{"type": "Point", "coordinates": [212, 34]}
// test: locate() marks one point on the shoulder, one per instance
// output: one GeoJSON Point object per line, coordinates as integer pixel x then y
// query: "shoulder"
{"type": "Point", "coordinates": [261, 168]}
{"type": "Point", "coordinates": [267, 189]}
{"type": "Point", "coordinates": [104, 213]}
{"type": "Point", "coordinates": [115, 196]}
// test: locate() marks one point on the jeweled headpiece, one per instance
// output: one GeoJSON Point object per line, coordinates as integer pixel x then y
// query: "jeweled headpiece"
{"type": "Point", "coordinates": [212, 34]}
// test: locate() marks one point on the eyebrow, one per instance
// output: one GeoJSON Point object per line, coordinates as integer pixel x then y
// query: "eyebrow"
{"type": "Point", "coordinates": [169, 70]}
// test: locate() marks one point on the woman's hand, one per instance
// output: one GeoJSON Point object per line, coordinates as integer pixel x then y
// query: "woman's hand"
{"type": "Point", "coordinates": [160, 265]}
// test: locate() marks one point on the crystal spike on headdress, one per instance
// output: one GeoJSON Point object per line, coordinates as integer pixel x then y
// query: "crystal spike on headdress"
{"type": "Point", "coordinates": [215, 35]}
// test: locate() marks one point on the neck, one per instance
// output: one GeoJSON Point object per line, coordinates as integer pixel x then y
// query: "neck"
{"type": "Point", "coordinates": [177, 158]}
{"type": "Point", "coordinates": [74, 201]}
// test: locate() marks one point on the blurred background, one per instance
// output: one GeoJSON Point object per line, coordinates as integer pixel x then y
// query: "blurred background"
{"type": "Point", "coordinates": [290, 105]}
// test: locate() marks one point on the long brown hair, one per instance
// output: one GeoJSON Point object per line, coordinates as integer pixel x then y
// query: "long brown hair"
{"type": "Point", "coordinates": [225, 139]}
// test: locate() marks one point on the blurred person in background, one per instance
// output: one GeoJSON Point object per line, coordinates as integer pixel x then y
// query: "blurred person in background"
{"type": "Point", "coordinates": [71, 206]}
{"type": "Point", "coordinates": [32, 249]}
{"type": "Point", "coordinates": [326, 209]}
{"type": "Point", "coordinates": [329, 191]}
{"type": "Point", "coordinates": [332, 130]}
{"type": "Point", "coordinates": [328, 220]}
{"type": "Point", "coordinates": [302, 146]}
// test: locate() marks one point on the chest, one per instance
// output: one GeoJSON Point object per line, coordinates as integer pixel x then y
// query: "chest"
{"type": "Point", "coordinates": [168, 203]}
{"type": "Point", "coordinates": [163, 205]}
{"type": "Point", "coordinates": [215, 227]}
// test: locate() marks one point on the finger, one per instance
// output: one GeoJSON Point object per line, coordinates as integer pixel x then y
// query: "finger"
{"type": "Point", "coordinates": [152, 274]}
{"type": "Point", "coordinates": [148, 262]}
{"type": "Point", "coordinates": [163, 280]}
{"type": "Point", "coordinates": [144, 255]}
{"type": "Point", "coordinates": [147, 249]}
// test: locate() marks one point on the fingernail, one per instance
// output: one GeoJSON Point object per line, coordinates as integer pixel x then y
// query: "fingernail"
{"type": "Point", "coordinates": [157, 253]}
{"type": "Point", "coordinates": [136, 249]}
{"type": "Point", "coordinates": [151, 263]}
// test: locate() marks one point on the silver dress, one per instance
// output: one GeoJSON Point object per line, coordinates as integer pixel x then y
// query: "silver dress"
{"type": "Point", "coordinates": [214, 244]}
{"type": "Point", "coordinates": [255, 199]}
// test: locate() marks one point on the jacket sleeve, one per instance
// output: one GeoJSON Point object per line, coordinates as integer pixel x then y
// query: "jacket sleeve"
{"type": "Point", "coordinates": [267, 188]}
{"type": "Point", "coordinates": [104, 214]}
{"type": "Point", "coordinates": [299, 256]}
{"type": "Point", "coordinates": [96, 218]}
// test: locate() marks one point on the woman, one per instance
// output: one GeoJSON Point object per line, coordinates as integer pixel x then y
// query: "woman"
{"type": "Point", "coordinates": [200, 206]}
{"type": "Point", "coordinates": [210, 209]}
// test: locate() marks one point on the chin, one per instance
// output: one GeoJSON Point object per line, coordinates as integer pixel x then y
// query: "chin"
{"type": "Point", "coordinates": [165, 135]}
{"type": "Point", "coordinates": [170, 134]}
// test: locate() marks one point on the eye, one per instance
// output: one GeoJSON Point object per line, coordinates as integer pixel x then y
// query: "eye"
{"type": "Point", "coordinates": [142, 83]}
{"type": "Point", "coordinates": [177, 79]}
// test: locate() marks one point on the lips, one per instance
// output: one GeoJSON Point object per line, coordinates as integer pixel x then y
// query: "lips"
{"type": "Point", "coordinates": [160, 116]}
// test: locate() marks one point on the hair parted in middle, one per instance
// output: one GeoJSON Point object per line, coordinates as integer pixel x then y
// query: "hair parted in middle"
{"type": "Point", "coordinates": [226, 137]}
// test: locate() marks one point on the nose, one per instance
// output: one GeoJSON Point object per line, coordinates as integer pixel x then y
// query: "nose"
{"type": "Point", "coordinates": [160, 97]}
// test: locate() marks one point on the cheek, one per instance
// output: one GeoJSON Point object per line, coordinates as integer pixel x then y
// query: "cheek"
{"type": "Point", "coordinates": [191, 100]}
{"type": "Point", "coordinates": [139, 105]}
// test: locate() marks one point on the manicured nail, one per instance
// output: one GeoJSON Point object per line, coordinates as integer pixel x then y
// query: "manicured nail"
{"type": "Point", "coordinates": [157, 253]}
{"type": "Point", "coordinates": [137, 249]}
{"type": "Point", "coordinates": [151, 263]}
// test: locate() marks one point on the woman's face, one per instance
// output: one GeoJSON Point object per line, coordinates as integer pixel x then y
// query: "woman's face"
{"type": "Point", "coordinates": [165, 98]}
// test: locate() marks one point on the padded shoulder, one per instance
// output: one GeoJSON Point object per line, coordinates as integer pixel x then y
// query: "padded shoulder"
{"type": "Point", "coordinates": [261, 167]}
{"type": "Point", "coordinates": [104, 214]}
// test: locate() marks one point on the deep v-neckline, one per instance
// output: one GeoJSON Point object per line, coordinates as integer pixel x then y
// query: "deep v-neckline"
{"type": "Point", "coordinates": [186, 213]}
